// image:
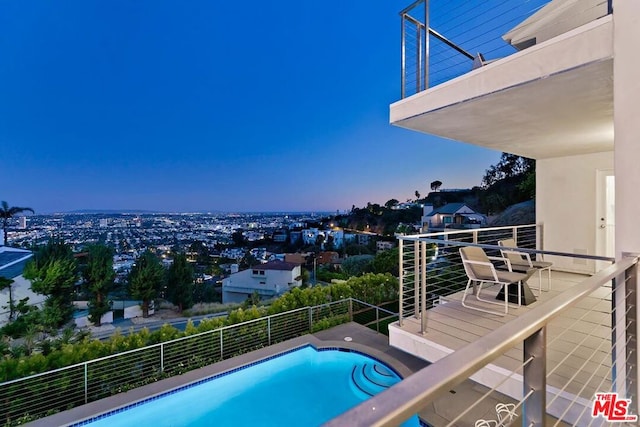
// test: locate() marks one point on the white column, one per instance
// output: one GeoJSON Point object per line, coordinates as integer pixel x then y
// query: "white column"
{"type": "Point", "coordinates": [626, 111]}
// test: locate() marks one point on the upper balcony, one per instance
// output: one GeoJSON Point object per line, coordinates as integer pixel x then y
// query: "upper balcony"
{"type": "Point", "coordinates": [533, 78]}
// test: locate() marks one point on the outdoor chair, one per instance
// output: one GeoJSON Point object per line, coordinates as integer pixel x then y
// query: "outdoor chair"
{"type": "Point", "coordinates": [521, 262]}
{"type": "Point", "coordinates": [480, 270]}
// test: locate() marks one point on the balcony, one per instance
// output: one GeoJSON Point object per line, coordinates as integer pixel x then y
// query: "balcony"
{"type": "Point", "coordinates": [510, 76]}
{"type": "Point", "coordinates": [548, 358]}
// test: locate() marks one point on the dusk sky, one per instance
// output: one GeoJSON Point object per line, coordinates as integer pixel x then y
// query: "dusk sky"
{"type": "Point", "coordinates": [211, 105]}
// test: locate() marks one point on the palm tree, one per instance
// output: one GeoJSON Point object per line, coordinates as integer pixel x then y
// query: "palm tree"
{"type": "Point", "coordinates": [7, 212]}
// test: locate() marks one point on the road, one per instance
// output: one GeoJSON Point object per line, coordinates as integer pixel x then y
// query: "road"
{"type": "Point", "coordinates": [126, 326]}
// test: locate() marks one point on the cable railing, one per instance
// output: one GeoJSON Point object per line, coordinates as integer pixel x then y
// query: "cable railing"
{"type": "Point", "coordinates": [441, 40]}
{"type": "Point", "coordinates": [434, 259]}
{"type": "Point", "coordinates": [562, 356]}
{"type": "Point", "coordinates": [61, 389]}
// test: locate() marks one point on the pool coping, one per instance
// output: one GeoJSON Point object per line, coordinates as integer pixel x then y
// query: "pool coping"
{"type": "Point", "coordinates": [112, 404]}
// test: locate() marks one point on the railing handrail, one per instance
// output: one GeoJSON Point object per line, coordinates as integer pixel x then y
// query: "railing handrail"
{"type": "Point", "coordinates": [374, 306]}
{"type": "Point", "coordinates": [406, 398]}
{"type": "Point", "coordinates": [517, 249]}
{"type": "Point", "coordinates": [464, 231]}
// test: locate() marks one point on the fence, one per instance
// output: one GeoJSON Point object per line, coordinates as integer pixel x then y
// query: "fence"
{"type": "Point", "coordinates": [464, 35]}
{"type": "Point", "coordinates": [75, 385]}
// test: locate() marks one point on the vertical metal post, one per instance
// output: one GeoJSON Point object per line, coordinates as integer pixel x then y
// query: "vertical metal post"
{"type": "Point", "coordinates": [269, 329]}
{"type": "Point", "coordinates": [515, 235]}
{"type": "Point", "coordinates": [535, 379]}
{"type": "Point", "coordinates": [86, 383]}
{"type": "Point", "coordinates": [425, 69]}
{"type": "Point", "coordinates": [350, 309]}
{"type": "Point", "coordinates": [423, 289]}
{"type": "Point", "coordinates": [377, 320]}
{"type": "Point", "coordinates": [402, 56]}
{"type": "Point", "coordinates": [310, 319]}
{"type": "Point", "coordinates": [475, 236]}
{"type": "Point", "coordinates": [418, 58]}
{"type": "Point", "coordinates": [631, 293]}
{"type": "Point", "coordinates": [400, 281]}
{"type": "Point", "coordinates": [161, 357]}
{"type": "Point", "coordinates": [416, 278]}
{"type": "Point", "coordinates": [221, 345]}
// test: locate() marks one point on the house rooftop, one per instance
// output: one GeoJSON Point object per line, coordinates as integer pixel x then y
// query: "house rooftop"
{"type": "Point", "coordinates": [276, 265]}
{"type": "Point", "coordinates": [449, 208]}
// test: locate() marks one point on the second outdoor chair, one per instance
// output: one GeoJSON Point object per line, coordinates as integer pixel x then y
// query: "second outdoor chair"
{"type": "Point", "coordinates": [481, 270]}
{"type": "Point", "coordinates": [521, 261]}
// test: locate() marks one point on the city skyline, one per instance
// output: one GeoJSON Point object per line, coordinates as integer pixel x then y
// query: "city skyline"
{"type": "Point", "coordinates": [170, 107]}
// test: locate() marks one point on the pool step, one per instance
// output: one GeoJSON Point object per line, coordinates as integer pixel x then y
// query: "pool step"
{"type": "Point", "coordinates": [372, 378]}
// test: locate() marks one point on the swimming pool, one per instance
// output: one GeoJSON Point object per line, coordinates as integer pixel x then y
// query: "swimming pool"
{"type": "Point", "coordinates": [302, 387]}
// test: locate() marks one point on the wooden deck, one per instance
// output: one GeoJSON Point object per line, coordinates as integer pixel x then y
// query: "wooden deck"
{"type": "Point", "coordinates": [578, 344]}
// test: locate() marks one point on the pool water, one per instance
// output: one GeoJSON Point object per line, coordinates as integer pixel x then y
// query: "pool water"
{"type": "Point", "coordinates": [305, 387]}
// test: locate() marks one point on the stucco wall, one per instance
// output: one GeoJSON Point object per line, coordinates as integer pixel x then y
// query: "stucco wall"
{"type": "Point", "coordinates": [566, 203]}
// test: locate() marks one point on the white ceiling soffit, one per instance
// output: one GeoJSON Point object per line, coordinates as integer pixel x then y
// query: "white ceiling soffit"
{"type": "Point", "coordinates": [564, 114]}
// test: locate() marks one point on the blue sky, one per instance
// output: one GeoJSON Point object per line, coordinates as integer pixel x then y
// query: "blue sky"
{"type": "Point", "coordinates": [210, 105]}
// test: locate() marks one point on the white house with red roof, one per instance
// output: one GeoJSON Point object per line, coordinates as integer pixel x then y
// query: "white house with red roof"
{"type": "Point", "coordinates": [267, 280]}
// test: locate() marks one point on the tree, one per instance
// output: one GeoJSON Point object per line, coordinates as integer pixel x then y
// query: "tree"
{"type": "Point", "coordinates": [98, 276]}
{"type": "Point", "coordinates": [238, 237]}
{"type": "Point", "coordinates": [435, 185]}
{"type": "Point", "coordinates": [387, 262]}
{"type": "Point", "coordinates": [417, 194]}
{"type": "Point", "coordinates": [391, 203]}
{"type": "Point", "coordinates": [146, 279]}
{"type": "Point", "coordinates": [510, 165]}
{"type": "Point", "coordinates": [6, 284]}
{"type": "Point", "coordinates": [180, 282]}
{"type": "Point", "coordinates": [53, 272]}
{"type": "Point", "coordinates": [357, 265]}
{"type": "Point", "coordinates": [7, 212]}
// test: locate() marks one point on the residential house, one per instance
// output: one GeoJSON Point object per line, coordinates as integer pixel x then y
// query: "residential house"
{"type": "Point", "coordinates": [267, 280]}
{"type": "Point", "coordinates": [382, 245]}
{"type": "Point", "coordinates": [451, 215]}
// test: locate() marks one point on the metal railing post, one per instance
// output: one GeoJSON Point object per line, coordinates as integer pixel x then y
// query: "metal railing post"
{"type": "Point", "coordinates": [310, 319]}
{"type": "Point", "coordinates": [535, 379]}
{"type": "Point", "coordinates": [475, 236]}
{"type": "Point", "coordinates": [400, 282]}
{"type": "Point", "coordinates": [418, 58]}
{"type": "Point", "coordinates": [221, 345]}
{"type": "Point", "coordinates": [515, 235]}
{"type": "Point", "coordinates": [416, 279]}
{"type": "Point", "coordinates": [350, 309]}
{"type": "Point", "coordinates": [269, 329]}
{"type": "Point", "coordinates": [86, 383]}
{"type": "Point", "coordinates": [377, 320]}
{"type": "Point", "coordinates": [161, 357]}
{"type": "Point", "coordinates": [423, 289]}
{"type": "Point", "coordinates": [403, 53]}
{"type": "Point", "coordinates": [425, 69]}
